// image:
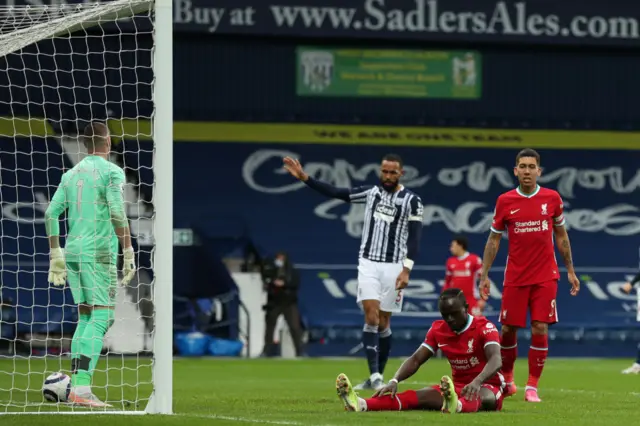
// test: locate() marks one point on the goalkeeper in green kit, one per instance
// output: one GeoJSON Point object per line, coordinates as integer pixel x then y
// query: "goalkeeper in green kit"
{"type": "Point", "coordinates": [92, 192]}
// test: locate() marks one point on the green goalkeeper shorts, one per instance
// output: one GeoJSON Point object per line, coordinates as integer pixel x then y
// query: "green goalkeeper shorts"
{"type": "Point", "coordinates": [93, 283]}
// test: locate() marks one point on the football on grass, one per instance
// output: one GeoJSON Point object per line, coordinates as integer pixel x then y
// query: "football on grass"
{"type": "Point", "coordinates": [56, 387]}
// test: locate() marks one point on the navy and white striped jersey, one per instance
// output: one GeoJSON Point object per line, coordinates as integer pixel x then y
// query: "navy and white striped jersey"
{"type": "Point", "coordinates": [386, 221]}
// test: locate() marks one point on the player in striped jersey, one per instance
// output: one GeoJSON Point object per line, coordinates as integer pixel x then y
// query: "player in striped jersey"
{"type": "Point", "coordinates": [388, 250]}
{"type": "Point", "coordinates": [627, 287]}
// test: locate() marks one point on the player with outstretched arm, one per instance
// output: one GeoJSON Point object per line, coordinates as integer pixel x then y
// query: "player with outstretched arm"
{"type": "Point", "coordinates": [92, 194]}
{"type": "Point", "coordinates": [533, 217]}
{"type": "Point", "coordinates": [388, 250]}
{"type": "Point", "coordinates": [472, 347]}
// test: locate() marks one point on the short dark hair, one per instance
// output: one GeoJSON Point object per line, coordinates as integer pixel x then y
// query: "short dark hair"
{"type": "Point", "coordinates": [453, 293]}
{"type": "Point", "coordinates": [462, 241]}
{"type": "Point", "coordinates": [393, 157]}
{"type": "Point", "coordinates": [528, 152]}
{"type": "Point", "coordinates": [95, 135]}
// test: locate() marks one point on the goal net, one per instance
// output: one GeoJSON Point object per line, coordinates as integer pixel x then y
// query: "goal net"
{"type": "Point", "coordinates": [63, 67]}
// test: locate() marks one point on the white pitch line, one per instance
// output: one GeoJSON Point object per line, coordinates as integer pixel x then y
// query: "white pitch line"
{"type": "Point", "coordinates": [244, 419]}
{"type": "Point", "coordinates": [25, 404]}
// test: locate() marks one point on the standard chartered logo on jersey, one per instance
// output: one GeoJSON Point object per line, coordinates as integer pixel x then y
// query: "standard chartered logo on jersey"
{"type": "Point", "coordinates": [473, 216]}
{"type": "Point", "coordinates": [531, 226]}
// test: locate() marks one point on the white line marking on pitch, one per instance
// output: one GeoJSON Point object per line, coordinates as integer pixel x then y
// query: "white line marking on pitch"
{"type": "Point", "coordinates": [244, 419]}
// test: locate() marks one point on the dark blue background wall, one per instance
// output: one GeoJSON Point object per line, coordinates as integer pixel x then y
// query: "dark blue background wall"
{"type": "Point", "coordinates": [246, 79]}
{"type": "Point", "coordinates": [243, 79]}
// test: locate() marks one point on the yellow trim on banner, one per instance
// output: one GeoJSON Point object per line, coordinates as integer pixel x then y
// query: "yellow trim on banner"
{"type": "Point", "coordinates": [25, 127]}
{"type": "Point", "coordinates": [402, 136]}
{"type": "Point", "coordinates": [130, 129]}
{"type": "Point", "coordinates": [197, 131]}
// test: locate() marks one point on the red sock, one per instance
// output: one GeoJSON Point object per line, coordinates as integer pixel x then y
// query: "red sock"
{"type": "Point", "coordinates": [537, 357]}
{"type": "Point", "coordinates": [470, 406]}
{"type": "Point", "coordinates": [509, 352]}
{"type": "Point", "coordinates": [407, 400]}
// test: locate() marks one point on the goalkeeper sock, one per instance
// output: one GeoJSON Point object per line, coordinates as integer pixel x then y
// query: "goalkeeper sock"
{"type": "Point", "coordinates": [76, 348]}
{"type": "Point", "coordinates": [91, 345]}
{"type": "Point", "coordinates": [83, 320]}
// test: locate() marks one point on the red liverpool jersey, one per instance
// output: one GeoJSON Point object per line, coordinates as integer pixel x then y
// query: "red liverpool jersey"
{"type": "Point", "coordinates": [529, 221]}
{"type": "Point", "coordinates": [462, 272]}
{"type": "Point", "coordinates": [465, 350]}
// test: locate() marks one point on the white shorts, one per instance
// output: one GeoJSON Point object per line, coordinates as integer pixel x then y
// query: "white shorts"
{"type": "Point", "coordinates": [377, 281]}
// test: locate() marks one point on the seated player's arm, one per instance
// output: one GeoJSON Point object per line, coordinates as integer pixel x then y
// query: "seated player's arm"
{"type": "Point", "coordinates": [52, 215]}
{"type": "Point", "coordinates": [415, 232]}
{"type": "Point", "coordinates": [115, 201]}
{"type": "Point", "coordinates": [494, 362]}
{"type": "Point", "coordinates": [412, 364]}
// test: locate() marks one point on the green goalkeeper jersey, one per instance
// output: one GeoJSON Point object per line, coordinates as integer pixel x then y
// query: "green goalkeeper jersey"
{"type": "Point", "coordinates": [92, 192]}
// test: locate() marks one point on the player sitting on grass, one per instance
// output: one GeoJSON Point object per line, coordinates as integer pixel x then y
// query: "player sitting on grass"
{"type": "Point", "coordinates": [472, 347]}
{"type": "Point", "coordinates": [92, 194]}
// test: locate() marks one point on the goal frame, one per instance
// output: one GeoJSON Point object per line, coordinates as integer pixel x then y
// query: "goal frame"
{"type": "Point", "coordinates": [161, 398]}
{"type": "Point", "coordinates": [161, 401]}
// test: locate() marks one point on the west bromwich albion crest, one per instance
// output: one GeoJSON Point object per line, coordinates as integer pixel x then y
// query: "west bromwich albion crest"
{"type": "Point", "coordinates": [317, 70]}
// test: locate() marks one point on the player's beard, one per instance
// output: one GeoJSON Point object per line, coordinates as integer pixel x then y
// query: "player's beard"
{"type": "Point", "coordinates": [389, 186]}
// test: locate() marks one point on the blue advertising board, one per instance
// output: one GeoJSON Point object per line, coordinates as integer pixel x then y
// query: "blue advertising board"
{"type": "Point", "coordinates": [249, 192]}
{"type": "Point", "coordinates": [31, 169]}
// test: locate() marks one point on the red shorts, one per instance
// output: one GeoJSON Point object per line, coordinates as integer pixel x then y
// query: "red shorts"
{"type": "Point", "coordinates": [497, 392]}
{"type": "Point", "coordinates": [538, 299]}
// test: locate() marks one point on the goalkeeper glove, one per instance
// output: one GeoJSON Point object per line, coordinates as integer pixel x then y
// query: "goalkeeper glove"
{"type": "Point", "coordinates": [57, 268]}
{"type": "Point", "coordinates": [129, 266]}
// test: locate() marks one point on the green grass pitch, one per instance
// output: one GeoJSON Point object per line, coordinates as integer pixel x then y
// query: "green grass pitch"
{"type": "Point", "coordinates": [301, 392]}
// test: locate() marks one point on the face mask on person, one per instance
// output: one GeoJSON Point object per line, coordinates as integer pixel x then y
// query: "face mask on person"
{"type": "Point", "coordinates": [279, 263]}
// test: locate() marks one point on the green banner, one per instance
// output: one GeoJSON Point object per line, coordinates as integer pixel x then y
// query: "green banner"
{"type": "Point", "coordinates": [388, 73]}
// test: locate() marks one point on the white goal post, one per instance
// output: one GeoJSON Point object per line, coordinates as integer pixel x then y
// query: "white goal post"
{"type": "Point", "coordinates": [63, 66]}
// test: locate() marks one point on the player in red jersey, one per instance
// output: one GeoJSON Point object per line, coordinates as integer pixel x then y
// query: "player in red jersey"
{"type": "Point", "coordinates": [472, 346]}
{"type": "Point", "coordinates": [463, 271]}
{"type": "Point", "coordinates": [532, 216]}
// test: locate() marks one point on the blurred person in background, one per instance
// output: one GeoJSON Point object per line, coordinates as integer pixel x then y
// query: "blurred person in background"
{"type": "Point", "coordinates": [462, 271]}
{"type": "Point", "coordinates": [627, 287]}
{"type": "Point", "coordinates": [281, 281]}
